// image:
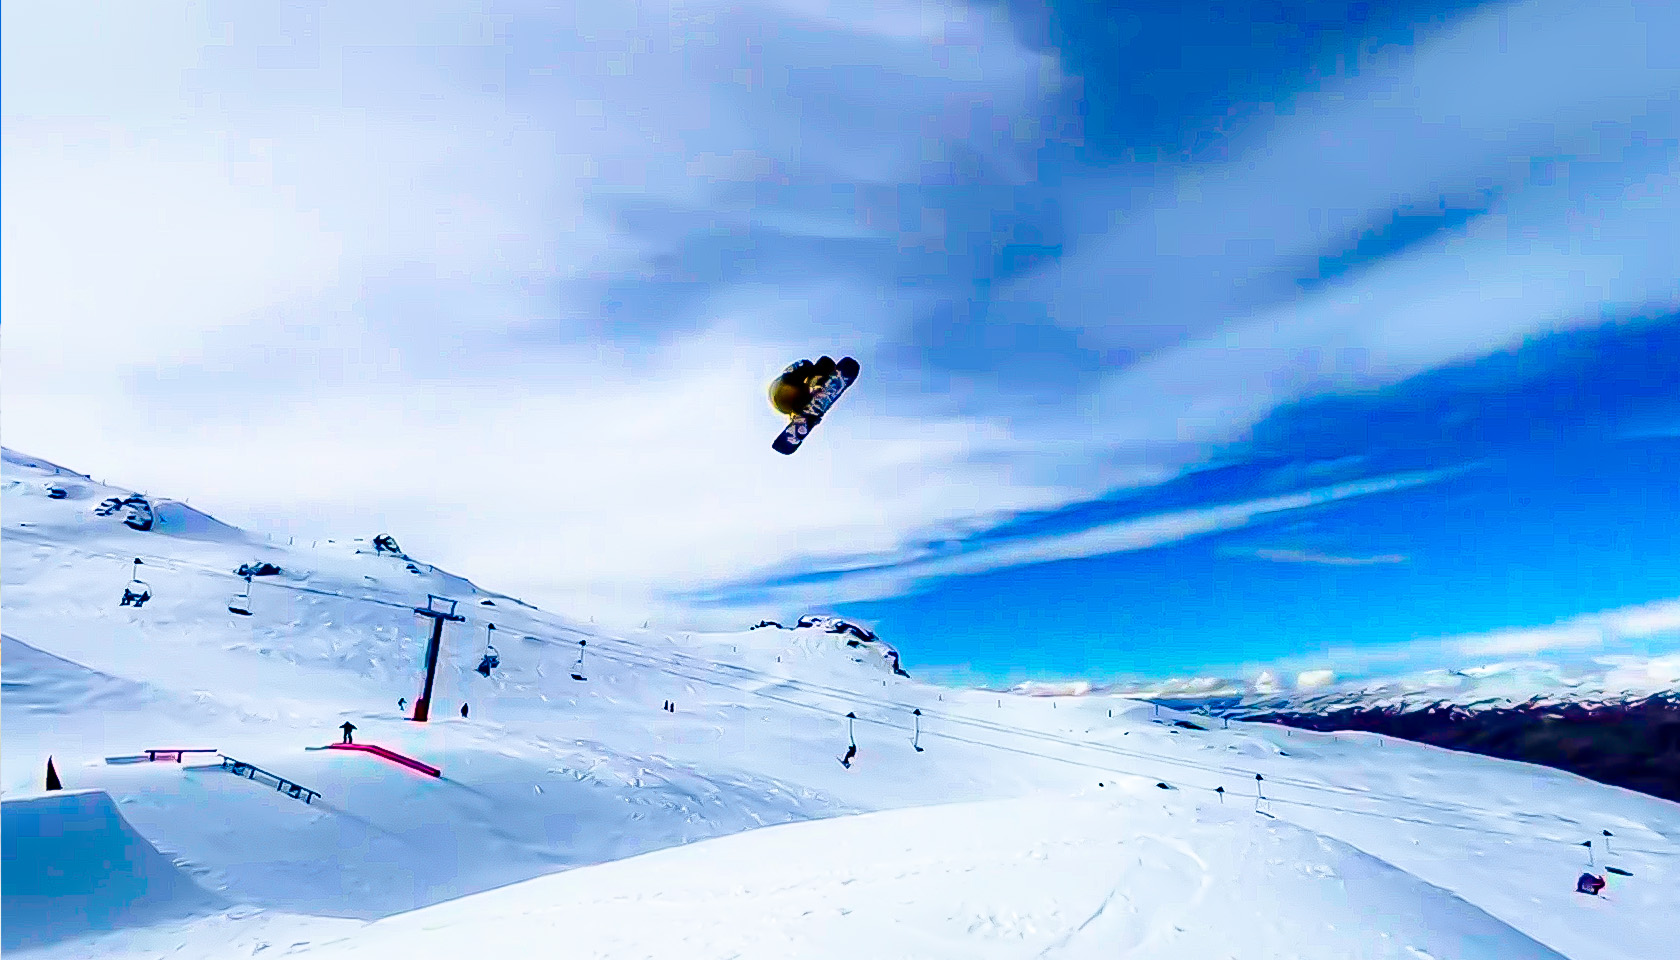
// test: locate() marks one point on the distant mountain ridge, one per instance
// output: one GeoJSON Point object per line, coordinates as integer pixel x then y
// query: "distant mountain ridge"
{"type": "Point", "coordinates": [1615, 720]}
{"type": "Point", "coordinates": [1632, 742]}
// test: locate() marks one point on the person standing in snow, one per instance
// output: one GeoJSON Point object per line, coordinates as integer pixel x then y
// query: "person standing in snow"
{"type": "Point", "coordinates": [402, 703]}
{"type": "Point", "coordinates": [347, 727]}
{"type": "Point", "coordinates": [463, 711]}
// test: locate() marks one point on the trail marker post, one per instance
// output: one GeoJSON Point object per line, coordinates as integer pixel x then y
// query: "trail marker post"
{"type": "Point", "coordinates": [436, 611]}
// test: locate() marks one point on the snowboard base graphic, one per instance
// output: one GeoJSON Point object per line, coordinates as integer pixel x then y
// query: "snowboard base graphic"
{"type": "Point", "coordinates": [802, 423]}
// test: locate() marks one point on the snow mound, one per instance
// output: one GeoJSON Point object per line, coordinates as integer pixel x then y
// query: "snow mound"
{"type": "Point", "coordinates": [1072, 878]}
{"type": "Point", "coordinates": [75, 866]}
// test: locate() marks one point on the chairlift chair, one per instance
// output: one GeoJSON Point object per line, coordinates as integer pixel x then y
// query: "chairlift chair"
{"type": "Point", "coordinates": [491, 659]}
{"type": "Point", "coordinates": [241, 603]}
{"type": "Point", "coordinates": [851, 749]}
{"type": "Point", "coordinates": [137, 591]}
{"type": "Point", "coordinates": [577, 669]}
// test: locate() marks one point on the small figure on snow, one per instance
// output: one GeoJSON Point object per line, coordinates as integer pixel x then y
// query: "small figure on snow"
{"type": "Point", "coordinates": [1589, 884]}
{"type": "Point", "coordinates": [402, 703]}
{"type": "Point", "coordinates": [347, 726]}
{"type": "Point", "coordinates": [851, 752]}
{"type": "Point", "coordinates": [463, 711]}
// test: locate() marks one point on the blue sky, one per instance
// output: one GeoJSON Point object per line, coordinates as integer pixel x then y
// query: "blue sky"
{"type": "Point", "coordinates": [1327, 334]}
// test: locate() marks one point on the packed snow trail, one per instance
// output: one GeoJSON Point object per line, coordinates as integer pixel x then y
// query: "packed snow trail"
{"type": "Point", "coordinates": [552, 774]}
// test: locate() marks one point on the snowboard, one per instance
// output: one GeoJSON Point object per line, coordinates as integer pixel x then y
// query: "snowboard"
{"type": "Point", "coordinates": [802, 423]}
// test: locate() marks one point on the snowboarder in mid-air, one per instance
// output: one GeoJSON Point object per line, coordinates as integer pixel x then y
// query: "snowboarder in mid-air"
{"type": "Point", "coordinates": [347, 726]}
{"type": "Point", "coordinates": [804, 392]}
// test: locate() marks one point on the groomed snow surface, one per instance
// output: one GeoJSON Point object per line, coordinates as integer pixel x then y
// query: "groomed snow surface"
{"type": "Point", "coordinates": [581, 819]}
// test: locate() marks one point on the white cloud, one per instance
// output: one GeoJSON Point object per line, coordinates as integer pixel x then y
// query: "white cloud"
{"type": "Point", "coordinates": [1605, 628]}
{"type": "Point", "coordinates": [1542, 105]}
{"type": "Point", "coordinates": [321, 274]}
{"type": "Point", "coordinates": [1314, 679]}
{"type": "Point", "coordinates": [355, 270]}
{"type": "Point", "coordinates": [1052, 688]}
{"type": "Point", "coordinates": [910, 572]}
{"type": "Point", "coordinates": [1277, 555]}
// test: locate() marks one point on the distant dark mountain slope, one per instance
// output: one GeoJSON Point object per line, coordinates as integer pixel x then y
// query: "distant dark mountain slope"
{"type": "Point", "coordinates": [1633, 744]}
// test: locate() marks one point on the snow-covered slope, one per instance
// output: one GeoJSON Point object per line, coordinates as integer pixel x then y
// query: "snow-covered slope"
{"type": "Point", "coordinates": [1100, 876]}
{"type": "Point", "coordinates": [1357, 837]}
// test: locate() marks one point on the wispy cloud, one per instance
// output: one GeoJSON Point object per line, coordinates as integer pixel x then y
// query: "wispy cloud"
{"type": "Point", "coordinates": [1280, 555]}
{"type": "Point", "coordinates": [1603, 629]}
{"type": "Point", "coordinates": [1574, 232]}
{"type": "Point", "coordinates": [1601, 635]}
{"type": "Point", "coordinates": [910, 573]}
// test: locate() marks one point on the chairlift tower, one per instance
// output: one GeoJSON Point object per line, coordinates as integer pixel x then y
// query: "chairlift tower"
{"type": "Point", "coordinates": [439, 609]}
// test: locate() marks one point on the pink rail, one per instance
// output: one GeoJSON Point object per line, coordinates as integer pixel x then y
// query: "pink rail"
{"type": "Point", "coordinates": [409, 762]}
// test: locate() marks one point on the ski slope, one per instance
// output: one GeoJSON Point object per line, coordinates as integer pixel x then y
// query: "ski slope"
{"type": "Point", "coordinates": [584, 814]}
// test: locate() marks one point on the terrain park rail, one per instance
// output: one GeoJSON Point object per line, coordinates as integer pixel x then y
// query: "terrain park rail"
{"type": "Point", "coordinates": [162, 753]}
{"type": "Point", "coordinates": [252, 772]}
{"type": "Point", "coordinates": [176, 755]}
{"type": "Point", "coordinates": [377, 751]}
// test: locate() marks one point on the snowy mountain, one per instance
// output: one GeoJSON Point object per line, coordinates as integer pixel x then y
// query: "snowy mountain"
{"type": "Point", "coordinates": [1614, 719]}
{"type": "Point", "coordinates": [637, 794]}
{"type": "Point", "coordinates": [1607, 679]}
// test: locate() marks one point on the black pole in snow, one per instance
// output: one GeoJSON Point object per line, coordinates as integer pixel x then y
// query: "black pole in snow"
{"type": "Point", "coordinates": [423, 706]}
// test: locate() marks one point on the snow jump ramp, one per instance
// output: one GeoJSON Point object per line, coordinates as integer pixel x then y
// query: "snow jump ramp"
{"type": "Point", "coordinates": [74, 866]}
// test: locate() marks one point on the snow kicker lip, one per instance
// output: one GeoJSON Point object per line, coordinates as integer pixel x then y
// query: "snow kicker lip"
{"type": "Point", "coordinates": [75, 866]}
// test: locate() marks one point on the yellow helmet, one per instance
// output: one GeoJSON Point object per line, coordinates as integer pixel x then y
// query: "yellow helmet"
{"type": "Point", "coordinates": [788, 397]}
